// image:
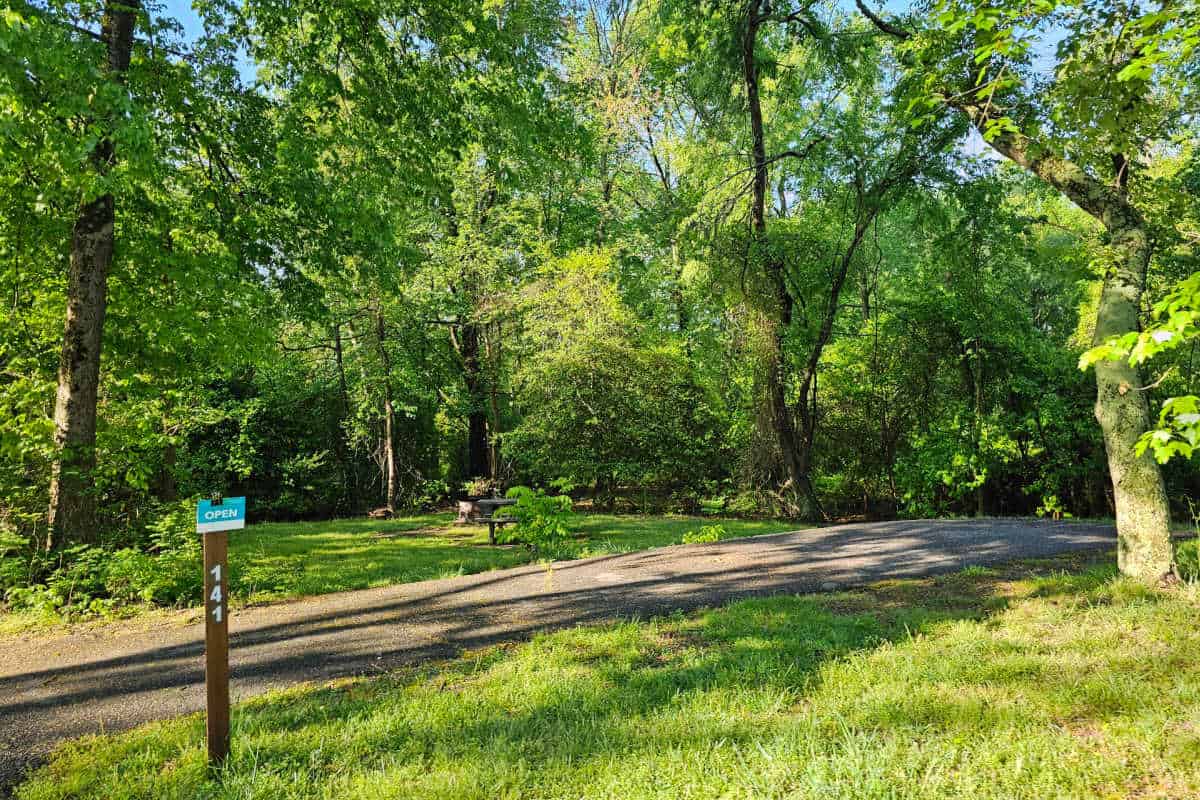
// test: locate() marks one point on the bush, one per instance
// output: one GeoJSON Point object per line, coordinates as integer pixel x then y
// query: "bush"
{"type": "Point", "coordinates": [80, 577]}
{"type": "Point", "coordinates": [480, 487]}
{"type": "Point", "coordinates": [170, 573]}
{"type": "Point", "coordinates": [1053, 508]}
{"type": "Point", "coordinates": [432, 493]}
{"type": "Point", "coordinates": [541, 518]}
{"type": "Point", "coordinates": [14, 563]}
{"type": "Point", "coordinates": [96, 580]}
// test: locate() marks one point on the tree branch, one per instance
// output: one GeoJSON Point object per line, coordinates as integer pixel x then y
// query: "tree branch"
{"type": "Point", "coordinates": [800, 154]}
{"type": "Point", "coordinates": [881, 23]}
{"type": "Point", "coordinates": [1092, 195]}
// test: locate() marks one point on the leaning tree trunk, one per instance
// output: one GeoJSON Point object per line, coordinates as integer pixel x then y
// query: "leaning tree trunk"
{"type": "Point", "coordinates": [1143, 515]}
{"type": "Point", "coordinates": [72, 512]}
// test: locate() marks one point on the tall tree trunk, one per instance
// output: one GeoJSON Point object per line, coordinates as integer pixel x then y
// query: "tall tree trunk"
{"type": "Point", "coordinates": [166, 487]}
{"type": "Point", "coordinates": [494, 351]}
{"type": "Point", "coordinates": [477, 424]}
{"type": "Point", "coordinates": [339, 439]}
{"type": "Point", "coordinates": [793, 491]}
{"type": "Point", "coordinates": [683, 316]}
{"type": "Point", "coordinates": [808, 504]}
{"type": "Point", "coordinates": [1143, 516]}
{"type": "Point", "coordinates": [72, 512]}
{"type": "Point", "coordinates": [977, 429]}
{"type": "Point", "coordinates": [972, 376]}
{"type": "Point", "coordinates": [390, 474]}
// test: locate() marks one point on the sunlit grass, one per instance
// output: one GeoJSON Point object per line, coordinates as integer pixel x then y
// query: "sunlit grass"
{"type": "Point", "coordinates": [1055, 680]}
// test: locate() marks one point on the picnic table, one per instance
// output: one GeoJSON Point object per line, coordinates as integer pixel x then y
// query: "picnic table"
{"type": "Point", "coordinates": [489, 512]}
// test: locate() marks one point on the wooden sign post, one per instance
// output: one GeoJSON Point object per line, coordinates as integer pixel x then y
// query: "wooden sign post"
{"type": "Point", "coordinates": [214, 520]}
{"type": "Point", "coordinates": [216, 644]}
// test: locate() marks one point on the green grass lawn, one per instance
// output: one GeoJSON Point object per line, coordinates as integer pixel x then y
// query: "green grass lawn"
{"type": "Point", "coordinates": [1047, 680]}
{"type": "Point", "coordinates": [276, 561]}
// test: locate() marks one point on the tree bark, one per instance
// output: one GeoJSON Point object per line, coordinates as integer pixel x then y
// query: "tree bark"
{"type": "Point", "coordinates": [72, 511]}
{"type": "Point", "coordinates": [1143, 516]}
{"type": "Point", "coordinates": [977, 429]}
{"type": "Point", "coordinates": [166, 487]}
{"type": "Point", "coordinates": [973, 385]}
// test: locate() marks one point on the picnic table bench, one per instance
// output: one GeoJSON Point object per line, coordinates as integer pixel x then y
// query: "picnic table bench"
{"type": "Point", "coordinates": [489, 512]}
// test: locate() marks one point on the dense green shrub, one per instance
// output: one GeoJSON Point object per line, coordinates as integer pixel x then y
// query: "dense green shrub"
{"type": "Point", "coordinates": [169, 571]}
{"type": "Point", "coordinates": [165, 569]}
{"type": "Point", "coordinates": [599, 407]}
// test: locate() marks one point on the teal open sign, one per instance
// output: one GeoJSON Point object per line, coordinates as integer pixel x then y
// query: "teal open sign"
{"type": "Point", "coordinates": [227, 515]}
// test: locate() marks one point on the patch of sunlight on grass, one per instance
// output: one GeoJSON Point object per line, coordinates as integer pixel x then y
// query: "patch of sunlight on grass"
{"type": "Point", "coordinates": [1025, 682]}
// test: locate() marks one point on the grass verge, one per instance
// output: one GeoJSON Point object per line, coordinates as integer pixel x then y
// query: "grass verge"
{"type": "Point", "coordinates": [1051, 679]}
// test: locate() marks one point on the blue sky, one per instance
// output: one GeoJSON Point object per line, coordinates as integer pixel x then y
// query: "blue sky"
{"type": "Point", "coordinates": [182, 11]}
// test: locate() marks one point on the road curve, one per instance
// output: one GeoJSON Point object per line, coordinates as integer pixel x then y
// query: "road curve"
{"type": "Point", "coordinates": [114, 677]}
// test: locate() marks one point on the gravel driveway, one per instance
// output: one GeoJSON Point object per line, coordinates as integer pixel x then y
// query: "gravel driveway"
{"type": "Point", "coordinates": [117, 676]}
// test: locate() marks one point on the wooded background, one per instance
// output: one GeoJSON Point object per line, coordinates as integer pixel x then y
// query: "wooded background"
{"type": "Point", "coordinates": [789, 258]}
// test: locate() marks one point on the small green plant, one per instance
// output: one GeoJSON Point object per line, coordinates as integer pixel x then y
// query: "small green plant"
{"type": "Point", "coordinates": [480, 487]}
{"type": "Point", "coordinates": [707, 533]}
{"type": "Point", "coordinates": [14, 565]}
{"type": "Point", "coordinates": [432, 493]}
{"type": "Point", "coordinates": [541, 518]}
{"type": "Point", "coordinates": [1053, 508]}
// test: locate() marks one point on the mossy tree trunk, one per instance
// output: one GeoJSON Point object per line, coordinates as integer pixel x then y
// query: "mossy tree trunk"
{"type": "Point", "coordinates": [1143, 515]}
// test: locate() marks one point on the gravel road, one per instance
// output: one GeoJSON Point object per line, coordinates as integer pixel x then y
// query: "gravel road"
{"type": "Point", "coordinates": [114, 677]}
